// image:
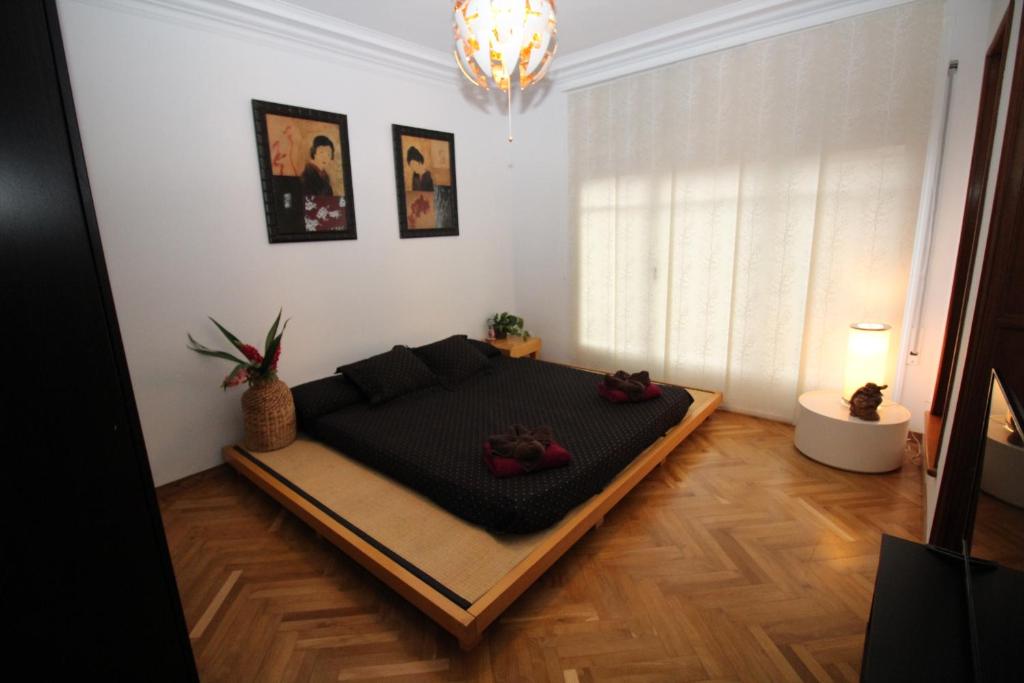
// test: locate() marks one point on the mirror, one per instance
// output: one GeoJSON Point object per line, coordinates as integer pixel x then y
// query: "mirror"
{"type": "Point", "coordinates": [999, 515]}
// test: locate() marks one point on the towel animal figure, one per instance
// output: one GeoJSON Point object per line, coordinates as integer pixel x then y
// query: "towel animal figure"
{"type": "Point", "coordinates": [865, 401]}
{"type": "Point", "coordinates": [522, 444]}
{"type": "Point", "coordinates": [520, 449]}
{"type": "Point", "coordinates": [622, 387]}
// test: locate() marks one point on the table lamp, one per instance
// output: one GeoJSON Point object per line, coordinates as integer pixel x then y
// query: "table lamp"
{"type": "Point", "coordinates": [867, 355]}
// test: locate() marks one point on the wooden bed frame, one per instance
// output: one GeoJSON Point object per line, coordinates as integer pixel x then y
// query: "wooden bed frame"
{"type": "Point", "coordinates": [468, 624]}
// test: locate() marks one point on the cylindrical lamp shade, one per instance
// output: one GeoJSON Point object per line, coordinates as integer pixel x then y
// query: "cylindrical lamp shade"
{"type": "Point", "coordinates": [867, 356]}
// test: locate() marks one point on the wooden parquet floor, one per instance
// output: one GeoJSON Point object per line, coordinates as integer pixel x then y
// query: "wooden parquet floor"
{"type": "Point", "coordinates": [998, 532]}
{"type": "Point", "coordinates": [739, 559]}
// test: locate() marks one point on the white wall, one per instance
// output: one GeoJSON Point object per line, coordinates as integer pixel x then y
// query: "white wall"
{"type": "Point", "coordinates": [969, 26]}
{"type": "Point", "coordinates": [165, 116]}
{"type": "Point", "coordinates": [540, 208]}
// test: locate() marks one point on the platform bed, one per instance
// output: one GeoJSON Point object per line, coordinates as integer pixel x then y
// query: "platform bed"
{"type": "Point", "coordinates": [457, 573]}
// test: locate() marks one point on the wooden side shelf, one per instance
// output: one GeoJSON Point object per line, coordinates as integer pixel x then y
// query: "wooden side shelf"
{"type": "Point", "coordinates": [517, 347]}
{"type": "Point", "coordinates": [930, 443]}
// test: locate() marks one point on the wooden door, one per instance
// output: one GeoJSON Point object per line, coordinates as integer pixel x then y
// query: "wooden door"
{"type": "Point", "coordinates": [997, 330]}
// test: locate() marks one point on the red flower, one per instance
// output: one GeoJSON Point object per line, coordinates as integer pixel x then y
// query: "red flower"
{"type": "Point", "coordinates": [277, 357]}
{"type": "Point", "coordinates": [236, 377]}
{"type": "Point", "coordinates": [251, 353]}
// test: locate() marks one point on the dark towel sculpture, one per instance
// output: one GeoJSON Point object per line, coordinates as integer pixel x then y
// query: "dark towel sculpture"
{"type": "Point", "coordinates": [622, 387]}
{"type": "Point", "coordinates": [520, 449]}
{"type": "Point", "coordinates": [865, 401]}
{"type": "Point", "coordinates": [521, 443]}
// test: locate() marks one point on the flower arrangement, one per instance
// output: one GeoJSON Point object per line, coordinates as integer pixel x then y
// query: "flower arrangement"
{"type": "Point", "coordinates": [253, 367]}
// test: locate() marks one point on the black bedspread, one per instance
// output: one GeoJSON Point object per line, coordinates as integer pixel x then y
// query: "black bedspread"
{"type": "Point", "coordinates": [431, 440]}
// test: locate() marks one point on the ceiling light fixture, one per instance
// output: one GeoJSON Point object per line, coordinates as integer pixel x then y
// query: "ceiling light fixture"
{"type": "Point", "coordinates": [493, 38]}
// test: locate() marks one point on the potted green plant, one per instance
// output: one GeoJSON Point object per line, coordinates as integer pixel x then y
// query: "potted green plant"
{"type": "Point", "coordinates": [505, 324]}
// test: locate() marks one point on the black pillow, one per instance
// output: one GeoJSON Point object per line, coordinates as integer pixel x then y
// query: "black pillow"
{"type": "Point", "coordinates": [483, 347]}
{"type": "Point", "coordinates": [323, 396]}
{"type": "Point", "coordinates": [389, 375]}
{"type": "Point", "coordinates": [453, 359]}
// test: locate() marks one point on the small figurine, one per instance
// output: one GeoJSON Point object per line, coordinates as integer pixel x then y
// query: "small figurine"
{"type": "Point", "coordinates": [865, 401]}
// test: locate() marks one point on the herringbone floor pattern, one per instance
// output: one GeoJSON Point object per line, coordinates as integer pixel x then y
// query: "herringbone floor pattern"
{"type": "Point", "coordinates": [739, 559]}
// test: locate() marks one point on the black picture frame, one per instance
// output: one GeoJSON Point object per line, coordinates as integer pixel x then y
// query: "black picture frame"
{"type": "Point", "coordinates": [296, 205]}
{"type": "Point", "coordinates": [438, 205]}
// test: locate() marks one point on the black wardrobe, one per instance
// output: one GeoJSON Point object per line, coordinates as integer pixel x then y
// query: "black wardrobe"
{"type": "Point", "coordinates": [86, 581]}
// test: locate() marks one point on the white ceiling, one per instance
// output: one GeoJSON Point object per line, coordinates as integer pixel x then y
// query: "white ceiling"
{"type": "Point", "coordinates": [581, 23]}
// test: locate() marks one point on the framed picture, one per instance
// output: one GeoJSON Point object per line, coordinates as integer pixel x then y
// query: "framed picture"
{"type": "Point", "coordinates": [306, 173]}
{"type": "Point", "coordinates": [428, 203]}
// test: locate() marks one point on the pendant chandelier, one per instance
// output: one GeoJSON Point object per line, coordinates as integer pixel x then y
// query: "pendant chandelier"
{"type": "Point", "coordinates": [494, 38]}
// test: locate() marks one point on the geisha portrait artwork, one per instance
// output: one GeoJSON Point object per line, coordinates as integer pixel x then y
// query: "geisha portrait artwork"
{"type": "Point", "coordinates": [425, 182]}
{"type": "Point", "coordinates": [306, 173]}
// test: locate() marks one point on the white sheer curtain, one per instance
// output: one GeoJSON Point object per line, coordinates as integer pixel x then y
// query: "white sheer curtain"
{"type": "Point", "coordinates": [735, 212]}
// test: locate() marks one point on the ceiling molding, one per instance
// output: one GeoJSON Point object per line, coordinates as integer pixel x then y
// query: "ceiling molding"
{"type": "Point", "coordinates": [729, 26]}
{"type": "Point", "coordinates": [297, 29]}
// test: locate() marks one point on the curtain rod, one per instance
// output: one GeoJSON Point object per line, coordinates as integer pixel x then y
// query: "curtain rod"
{"type": "Point", "coordinates": [951, 71]}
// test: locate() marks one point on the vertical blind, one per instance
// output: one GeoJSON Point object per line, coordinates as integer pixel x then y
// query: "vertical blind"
{"type": "Point", "coordinates": [735, 212]}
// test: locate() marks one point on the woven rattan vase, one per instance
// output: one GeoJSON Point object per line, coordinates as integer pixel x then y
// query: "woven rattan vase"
{"type": "Point", "coordinates": [269, 416]}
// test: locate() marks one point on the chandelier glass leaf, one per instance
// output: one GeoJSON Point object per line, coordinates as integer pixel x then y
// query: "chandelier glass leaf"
{"type": "Point", "coordinates": [497, 39]}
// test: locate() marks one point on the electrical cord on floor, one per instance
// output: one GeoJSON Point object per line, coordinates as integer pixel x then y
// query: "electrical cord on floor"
{"type": "Point", "coordinates": [915, 450]}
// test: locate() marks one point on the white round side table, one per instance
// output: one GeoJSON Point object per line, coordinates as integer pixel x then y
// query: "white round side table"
{"type": "Point", "coordinates": [826, 432]}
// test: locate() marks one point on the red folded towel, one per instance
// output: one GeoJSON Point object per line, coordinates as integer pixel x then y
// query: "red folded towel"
{"type": "Point", "coordinates": [616, 396]}
{"type": "Point", "coordinates": [554, 456]}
